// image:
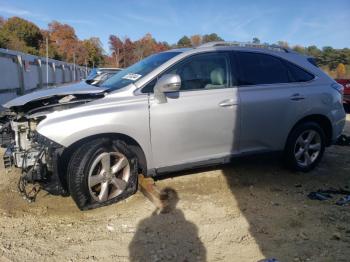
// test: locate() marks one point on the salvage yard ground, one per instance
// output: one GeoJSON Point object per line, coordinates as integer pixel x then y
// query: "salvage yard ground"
{"type": "Point", "coordinates": [251, 209]}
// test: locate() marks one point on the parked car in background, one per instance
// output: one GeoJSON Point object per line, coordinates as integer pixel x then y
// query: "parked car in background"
{"type": "Point", "coordinates": [346, 84]}
{"type": "Point", "coordinates": [99, 75]}
{"type": "Point", "coordinates": [174, 110]}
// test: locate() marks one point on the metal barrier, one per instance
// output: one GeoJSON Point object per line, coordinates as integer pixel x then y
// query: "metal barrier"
{"type": "Point", "coordinates": [22, 73]}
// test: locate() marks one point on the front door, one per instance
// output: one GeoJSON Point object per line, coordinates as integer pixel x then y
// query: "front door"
{"type": "Point", "coordinates": [200, 122]}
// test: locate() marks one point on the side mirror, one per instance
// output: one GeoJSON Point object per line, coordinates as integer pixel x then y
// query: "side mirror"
{"type": "Point", "coordinates": [167, 83]}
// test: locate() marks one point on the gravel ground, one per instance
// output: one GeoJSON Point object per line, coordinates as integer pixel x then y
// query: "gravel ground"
{"type": "Point", "coordinates": [246, 211]}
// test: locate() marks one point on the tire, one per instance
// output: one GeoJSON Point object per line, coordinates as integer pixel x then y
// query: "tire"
{"type": "Point", "coordinates": [102, 172]}
{"type": "Point", "coordinates": [301, 153]}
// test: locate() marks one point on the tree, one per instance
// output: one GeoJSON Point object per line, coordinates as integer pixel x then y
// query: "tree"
{"type": "Point", "coordinates": [313, 51]}
{"type": "Point", "coordinates": [116, 46]}
{"type": "Point", "coordinates": [128, 52]}
{"type": "Point", "coordinates": [341, 70]}
{"type": "Point", "coordinates": [53, 52]}
{"type": "Point", "coordinates": [211, 38]}
{"type": "Point", "coordinates": [329, 57]}
{"type": "Point", "coordinates": [196, 40]}
{"type": "Point", "coordinates": [93, 51]}
{"type": "Point", "coordinates": [19, 34]}
{"type": "Point", "coordinates": [2, 21]}
{"type": "Point", "coordinates": [4, 40]}
{"type": "Point", "coordinates": [145, 46]}
{"type": "Point", "coordinates": [124, 50]}
{"type": "Point", "coordinates": [299, 49]}
{"type": "Point", "coordinates": [256, 40]}
{"type": "Point", "coordinates": [184, 42]}
{"type": "Point", "coordinates": [64, 40]}
{"type": "Point", "coordinates": [283, 44]}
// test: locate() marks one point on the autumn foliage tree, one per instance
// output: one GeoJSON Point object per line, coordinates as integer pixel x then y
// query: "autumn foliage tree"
{"type": "Point", "coordinates": [63, 38]}
{"type": "Point", "coordinates": [196, 40]}
{"type": "Point", "coordinates": [341, 70]}
{"type": "Point", "coordinates": [213, 37]}
{"type": "Point", "coordinates": [63, 44]}
{"type": "Point", "coordinates": [126, 52]}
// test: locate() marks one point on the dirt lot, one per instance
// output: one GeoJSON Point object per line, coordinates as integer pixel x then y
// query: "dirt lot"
{"type": "Point", "coordinates": [249, 210]}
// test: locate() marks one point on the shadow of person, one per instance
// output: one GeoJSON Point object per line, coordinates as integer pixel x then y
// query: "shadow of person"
{"type": "Point", "coordinates": [166, 235]}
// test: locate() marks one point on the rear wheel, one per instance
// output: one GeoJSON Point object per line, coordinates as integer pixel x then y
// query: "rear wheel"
{"type": "Point", "coordinates": [305, 146]}
{"type": "Point", "coordinates": [102, 172]}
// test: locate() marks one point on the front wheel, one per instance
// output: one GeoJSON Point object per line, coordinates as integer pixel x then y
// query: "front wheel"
{"type": "Point", "coordinates": [102, 172]}
{"type": "Point", "coordinates": [305, 147]}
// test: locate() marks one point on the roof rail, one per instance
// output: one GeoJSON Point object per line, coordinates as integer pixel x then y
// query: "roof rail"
{"type": "Point", "coordinates": [246, 44]}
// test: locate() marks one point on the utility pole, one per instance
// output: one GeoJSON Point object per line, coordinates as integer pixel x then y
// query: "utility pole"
{"type": "Point", "coordinates": [74, 65]}
{"type": "Point", "coordinates": [47, 62]}
{"type": "Point", "coordinates": [85, 68]}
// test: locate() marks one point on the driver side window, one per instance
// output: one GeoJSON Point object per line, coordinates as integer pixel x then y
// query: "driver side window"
{"type": "Point", "coordinates": [199, 72]}
{"type": "Point", "coordinates": [205, 71]}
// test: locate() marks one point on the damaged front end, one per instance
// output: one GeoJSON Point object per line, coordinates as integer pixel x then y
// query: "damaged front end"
{"type": "Point", "coordinates": [42, 170]}
{"type": "Point", "coordinates": [34, 154]}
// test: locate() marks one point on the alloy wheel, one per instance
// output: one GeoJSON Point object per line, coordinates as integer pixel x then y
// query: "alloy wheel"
{"type": "Point", "coordinates": [307, 148]}
{"type": "Point", "coordinates": [108, 176]}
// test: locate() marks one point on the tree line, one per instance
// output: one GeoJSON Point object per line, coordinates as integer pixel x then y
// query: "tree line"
{"type": "Point", "coordinates": [63, 44]}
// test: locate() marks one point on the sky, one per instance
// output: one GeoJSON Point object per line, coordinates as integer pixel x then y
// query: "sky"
{"type": "Point", "coordinates": [307, 22]}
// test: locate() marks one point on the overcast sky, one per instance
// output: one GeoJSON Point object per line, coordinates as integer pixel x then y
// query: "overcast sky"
{"type": "Point", "coordinates": [307, 22]}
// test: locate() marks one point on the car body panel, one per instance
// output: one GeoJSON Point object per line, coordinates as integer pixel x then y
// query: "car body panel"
{"type": "Point", "coordinates": [78, 88]}
{"type": "Point", "coordinates": [192, 126]}
{"type": "Point", "coordinates": [266, 114]}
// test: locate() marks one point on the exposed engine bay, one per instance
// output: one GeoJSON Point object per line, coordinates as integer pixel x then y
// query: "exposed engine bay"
{"type": "Point", "coordinates": [27, 150]}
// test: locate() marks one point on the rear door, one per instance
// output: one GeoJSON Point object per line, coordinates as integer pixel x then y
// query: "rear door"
{"type": "Point", "coordinates": [199, 123]}
{"type": "Point", "coordinates": [272, 94]}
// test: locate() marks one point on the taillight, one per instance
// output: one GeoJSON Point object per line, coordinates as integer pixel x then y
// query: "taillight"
{"type": "Point", "coordinates": [338, 87]}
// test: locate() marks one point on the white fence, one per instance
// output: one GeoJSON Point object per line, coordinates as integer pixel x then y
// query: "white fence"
{"type": "Point", "coordinates": [23, 73]}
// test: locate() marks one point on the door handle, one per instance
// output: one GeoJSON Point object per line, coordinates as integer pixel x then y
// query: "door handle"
{"type": "Point", "coordinates": [227, 103]}
{"type": "Point", "coordinates": [297, 97]}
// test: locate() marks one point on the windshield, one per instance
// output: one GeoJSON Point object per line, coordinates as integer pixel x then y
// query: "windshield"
{"type": "Point", "coordinates": [138, 70]}
{"type": "Point", "coordinates": [92, 74]}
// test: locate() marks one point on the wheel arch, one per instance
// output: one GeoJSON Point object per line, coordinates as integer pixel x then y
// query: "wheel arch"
{"type": "Point", "coordinates": [322, 120]}
{"type": "Point", "coordinates": [132, 143]}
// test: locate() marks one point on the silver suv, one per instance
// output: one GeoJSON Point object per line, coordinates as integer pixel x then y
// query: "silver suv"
{"type": "Point", "coordinates": [172, 111]}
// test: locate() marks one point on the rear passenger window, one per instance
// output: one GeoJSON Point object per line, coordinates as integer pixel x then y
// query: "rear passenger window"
{"type": "Point", "coordinates": [258, 69]}
{"type": "Point", "coordinates": [297, 74]}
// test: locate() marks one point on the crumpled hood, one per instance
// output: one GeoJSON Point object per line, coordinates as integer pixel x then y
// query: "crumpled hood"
{"type": "Point", "coordinates": [74, 89]}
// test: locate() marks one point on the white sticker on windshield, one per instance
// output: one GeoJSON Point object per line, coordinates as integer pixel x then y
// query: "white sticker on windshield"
{"type": "Point", "coordinates": [132, 76]}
